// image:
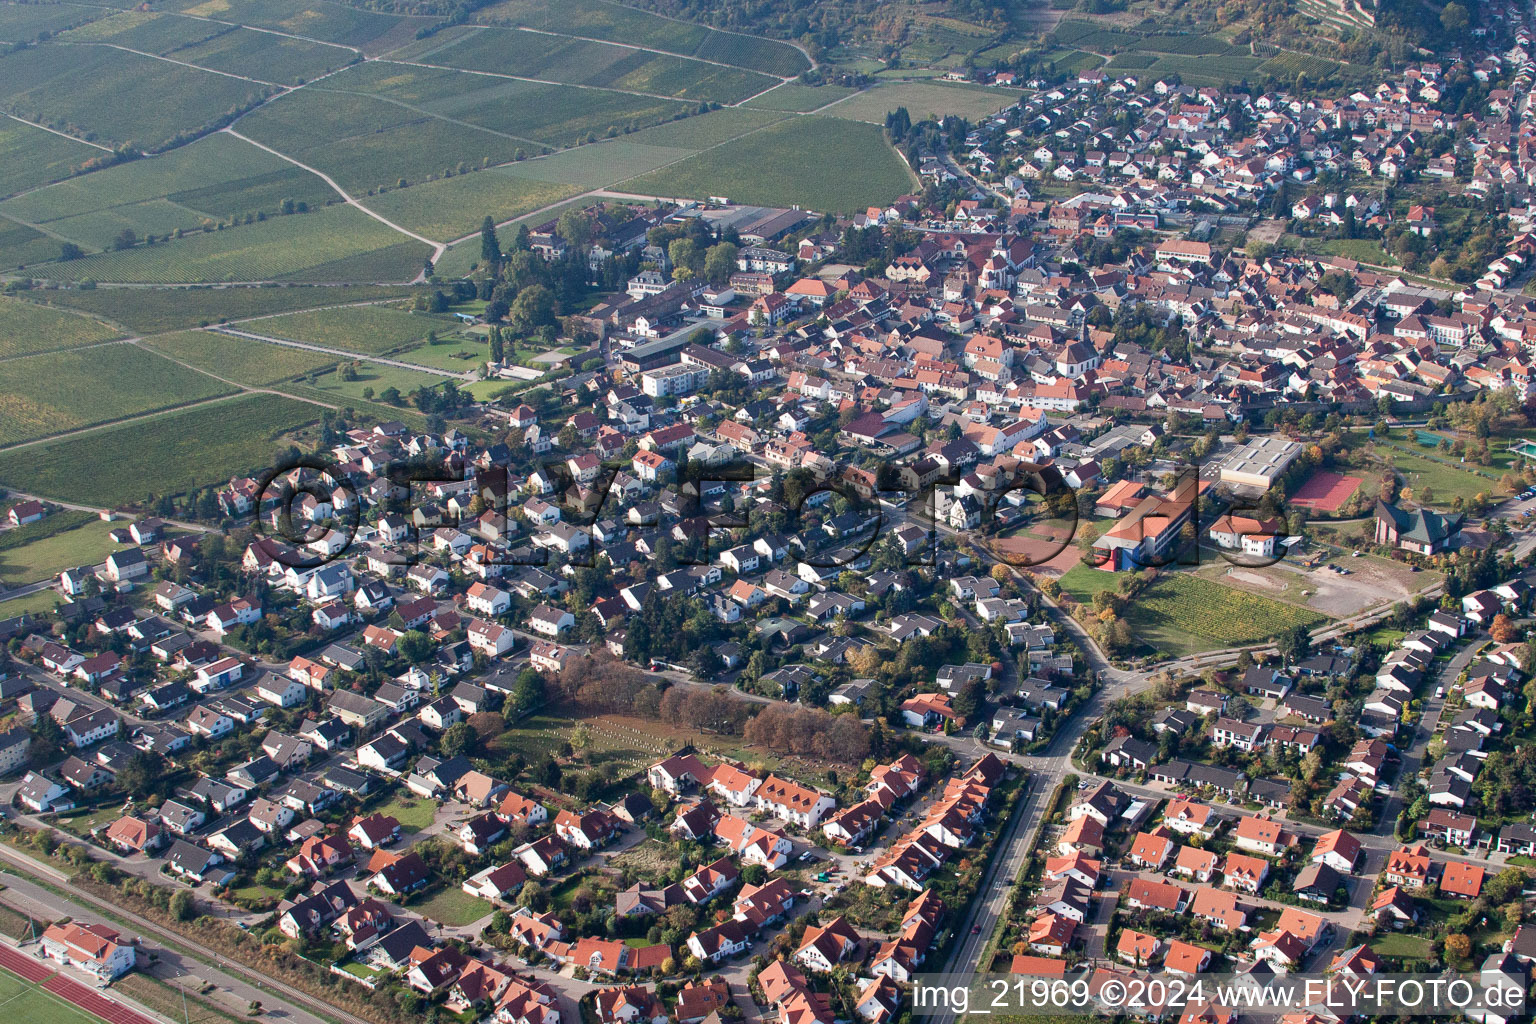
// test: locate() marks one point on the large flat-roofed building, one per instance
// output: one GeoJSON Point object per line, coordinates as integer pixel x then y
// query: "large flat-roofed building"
{"type": "Point", "coordinates": [1260, 462]}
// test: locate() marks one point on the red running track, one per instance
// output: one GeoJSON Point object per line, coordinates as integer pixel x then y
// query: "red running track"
{"type": "Point", "coordinates": [72, 991]}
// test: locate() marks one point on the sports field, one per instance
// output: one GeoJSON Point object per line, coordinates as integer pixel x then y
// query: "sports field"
{"type": "Point", "coordinates": [32, 990]}
{"type": "Point", "coordinates": [1326, 491]}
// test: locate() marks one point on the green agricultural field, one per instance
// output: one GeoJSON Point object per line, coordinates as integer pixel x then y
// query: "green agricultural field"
{"type": "Point", "coordinates": [149, 31]}
{"type": "Point", "coordinates": [30, 157]}
{"type": "Point", "coordinates": [1218, 70]}
{"type": "Point", "coordinates": [369, 329]}
{"type": "Point", "coordinates": [55, 392]}
{"type": "Point", "coordinates": [245, 360]}
{"type": "Point", "coordinates": [708, 130]}
{"type": "Point", "coordinates": [601, 163]}
{"type": "Point", "coordinates": [28, 327]}
{"type": "Point", "coordinates": [525, 54]}
{"type": "Point", "coordinates": [49, 556]}
{"type": "Point", "coordinates": [535, 115]}
{"type": "Point", "coordinates": [299, 247]}
{"type": "Point", "coordinates": [26, 22]}
{"type": "Point", "coordinates": [922, 99]}
{"type": "Point", "coordinates": [265, 56]}
{"type": "Point", "coordinates": [801, 98]}
{"type": "Point", "coordinates": [789, 164]}
{"type": "Point", "coordinates": [370, 31]}
{"type": "Point", "coordinates": [170, 454]}
{"type": "Point", "coordinates": [155, 310]}
{"type": "Point", "coordinates": [454, 207]}
{"type": "Point", "coordinates": [22, 246]}
{"type": "Point", "coordinates": [102, 94]}
{"type": "Point", "coordinates": [367, 143]}
{"type": "Point", "coordinates": [620, 23]}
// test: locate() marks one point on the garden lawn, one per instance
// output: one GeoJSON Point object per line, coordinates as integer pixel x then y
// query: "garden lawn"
{"type": "Point", "coordinates": [819, 163]}
{"type": "Point", "coordinates": [453, 907]}
{"type": "Point", "coordinates": [33, 604]}
{"type": "Point", "coordinates": [1406, 947]}
{"type": "Point", "coordinates": [413, 813]}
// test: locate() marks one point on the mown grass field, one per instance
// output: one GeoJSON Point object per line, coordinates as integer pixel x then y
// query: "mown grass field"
{"type": "Point", "coordinates": [168, 454]}
{"type": "Point", "coordinates": [30, 156]}
{"type": "Point", "coordinates": [49, 556]}
{"type": "Point", "coordinates": [370, 329]}
{"type": "Point", "coordinates": [300, 247]}
{"type": "Point", "coordinates": [375, 378]}
{"type": "Point", "coordinates": [27, 327]}
{"type": "Point", "coordinates": [791, 163]}
{"type": "Point", "coordinates": [453, 907]}
{"type": "Point", "coordinates": [103, 94]}
{"type": "Point", "coordinates": [48, 394]}
{"type": "Point", "coordinates": [152, 311]}
{"type": "Point", "coordinates": [250, 362]}
{"type": "Point", "coordinates": [454, 207]}
{"type": "Point", "coordinates": [921, 100]}
{"type": "Point", "coordinates": [33, 604]}
{"type": "Point", "coordinates": [1181, 614]}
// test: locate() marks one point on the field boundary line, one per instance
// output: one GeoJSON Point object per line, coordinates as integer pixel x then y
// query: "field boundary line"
{"type": "Point", "coordinates": [536, 81]}
{"type": "Point", "coordinates": [342, 354]}
{"type": "Point", "coordinates": [182, 63]}
{"type": "Point", "coordinates": [244, 392]}
{"type": "Point", "coordinates": [437, 247]}
{"type": "Point", "coordinates": [434, 114]}
{"type": "Point", "coordinates": [67, 348]}
{"type": "Point", "coordinates": [726, 31]}
{"type": "Point", "coordinates": [62, 135]}
{"type": "Point", "coordinates": [643, 49]}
